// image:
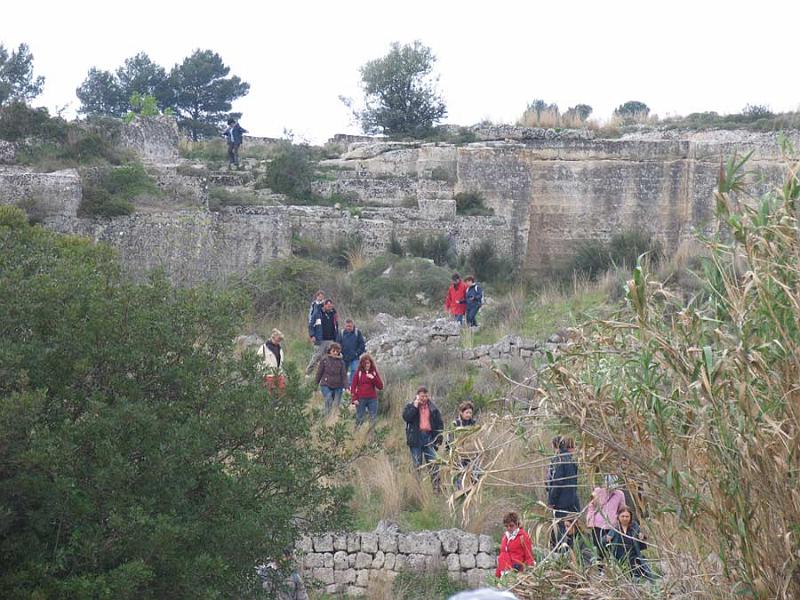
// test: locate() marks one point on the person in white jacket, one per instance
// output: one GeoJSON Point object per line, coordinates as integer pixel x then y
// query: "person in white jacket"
{"type": "Point", "coordinates": [271, 355]}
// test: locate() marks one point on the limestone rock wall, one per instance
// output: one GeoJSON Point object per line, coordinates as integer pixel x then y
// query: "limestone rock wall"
{"type": "Point", "coordinates": [347, 563]}
{"type": "Point", "coordinates": [42, 195]}
{"type": "Point", "coordinates": [153, 139]}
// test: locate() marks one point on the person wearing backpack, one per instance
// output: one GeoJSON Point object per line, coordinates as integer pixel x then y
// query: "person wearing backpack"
{"type": "Point", "coordinates": [473, 298]}
{"type": "Point", "coordinates": [353, 346]}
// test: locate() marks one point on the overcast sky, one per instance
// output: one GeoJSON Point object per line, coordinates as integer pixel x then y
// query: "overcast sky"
{"type": "Point", "coordinates": [494, 56]}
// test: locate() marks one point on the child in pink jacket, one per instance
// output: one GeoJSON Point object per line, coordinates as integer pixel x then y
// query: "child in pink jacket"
{"type": "Point", "coordinates": [601, 514]}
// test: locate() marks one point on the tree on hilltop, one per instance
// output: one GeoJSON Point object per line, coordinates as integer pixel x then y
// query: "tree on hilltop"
{"type": "Point", "coordinates": [580, 111]}
{"type": "Point", "coordinates": [139, 459]}
{"type": "Point", "coordinates": [632, 111]}
{"type": "Point", "coordinates": [203, 93]}
{"type": "Point", "coordinates": [17, 83]}
{"type": "Point", "coordinates": [400, 93]}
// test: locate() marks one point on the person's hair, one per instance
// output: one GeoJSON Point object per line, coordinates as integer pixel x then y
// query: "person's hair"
{"type": "Point", "coordinates": [231, 121]}
{"type": "Point", "coordinates": [511, 518]}
{"type": "Point", "coordinates": [276, 332]}
{"type": "Point", "coordinates": [569, 443]}
{"type": "Point", "coordinates": [455, 277]}
{"type": "Point", "coordinates": [364, 358]}
{"type": "Point", "coordinates": [346, 321]}
{"type": "Point", "coordinates": [328, 301]}
{"type": "Point", "coordinates": [334, 346]}
{"type": "Point", "coordinates": [469, 278]}
{"type": "Point", "coordinates": [466, 405]}
{"type": "Point", "coordinates": [319, 293]}
{"type": "Point", "coordinates": [421, 389]}
{"type": "Point", "coordinates": [556, 441]}
{"type": "Point", "coordinates": [624, 508]}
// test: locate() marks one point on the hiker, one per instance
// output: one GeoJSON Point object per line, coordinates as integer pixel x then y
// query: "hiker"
{"type": "Point", "coordinates": [626, 543]}
{"type": "Point", "coordinates": [424, 429]}
{"type": "Point", "coordinates": [292, 588]}
{"type": "Point", "coordinates": [364, 390]}
{"type": "Point", "coordinates": [234, 134]}
{"type": "Point", "coordinates": [323, 330]}
{"type": "Point", "coordinates": [562, 484]}
{"type": "Point", "coordinates": [353, 346]}
{"type": "Point", "coordinates": [271, 355]}
{"type": "Point", "coordinates": [573, 540]}
{"type": "Point", "coordinates": [455, 302]}
{"type": "Point", "coordinates": [601, 514]}
{"type": "Point", "coordinates": [332, 377]}
{"type": "Point", "coordinates": [516, 550]}
{"type": "Point", "coordinates": [465, 418]}
{"type": "Point", "coordinates": [473, 298]}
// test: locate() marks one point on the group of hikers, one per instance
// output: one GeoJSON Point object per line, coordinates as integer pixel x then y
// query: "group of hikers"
{"type": "Point", "coordinates": [344, 370]}
{"type": "Point", "coordinates": [611, 522]}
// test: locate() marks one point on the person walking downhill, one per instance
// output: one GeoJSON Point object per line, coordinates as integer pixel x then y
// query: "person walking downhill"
{"type": "Point", "coordinates": [234, 135]}
{"type": "Point", "coordinates": [272, 360]}
{"type": "Point", "coordinates": [474, 300]}
{"type": "Point", "coordinates": [455, 302]}
{"type": "Point", "coordinates": [353, 346]}
{"type": "Point", "coordinates": [468, 459]}
{"type": "Point", "coordinates": [332, 377]}
{"type": "Point", "coordinates": [364, 390]}
{"type": "Point", "coordinates": [601, 514]}
{"type": "Point", "coordinates": [516, 550]}
{"type": "Point", "coordinates": [562, 485]}
{"type": "Point", "coordinates": [626, 544]}
{"type": "Point", "coordinates": [424, 430]}
{"type": "Point", "coordinates": [323, 330]}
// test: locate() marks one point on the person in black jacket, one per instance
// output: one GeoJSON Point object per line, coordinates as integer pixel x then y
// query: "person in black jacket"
{"type": "Point", "coordinates": [234, 134]}
{"type": "Point", "coordinates": [562, 484]}
{"type": "Point", "coordinates": [353, 346]}
{"type": "Point", "coordinates": [424, 431]}
{"type": "Point", "coordinates": [627, 544]}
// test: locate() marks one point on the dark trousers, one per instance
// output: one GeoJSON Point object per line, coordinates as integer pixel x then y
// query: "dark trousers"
{"type": "Point", "coordinates": [425, 455]}
{"type": "Point", "coordinates": [233, 153]}
{"type": "Point", "coordinates": [472, 314]}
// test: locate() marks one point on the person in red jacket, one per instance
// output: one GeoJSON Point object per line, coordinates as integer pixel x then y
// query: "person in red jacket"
{"type": "Point", "coordinates": [516, 550]}
{"type": "Point", "coordinates": [364, 389]}
{"type": "Point", "coordinates": [456, 301]}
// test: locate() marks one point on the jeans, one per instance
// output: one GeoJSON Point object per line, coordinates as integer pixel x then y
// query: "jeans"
{"type": "Point", "coordinates": [352, 367]}
{"type": "Point", "coordinates": [332, 396]}
{"type": "Point", "coordinates": [458, 318]}
{"type": "Point", "coordinates": [233, 153]}
{"type": "Point", "coordinates": [426, 454]}
{"type": "Point", "coordinates": [472, 313]}
{"type": "Point", "coordinates": [364, 405]}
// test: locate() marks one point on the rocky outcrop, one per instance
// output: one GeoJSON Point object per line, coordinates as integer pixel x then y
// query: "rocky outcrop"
{"type": "Point", "coordinates": [8, 153]}
{"type": "Point", "coordinates": [153, 139]}
{"type": "Point", "coordinates": [347, 562]}
{"type": "Point", "coordinates": [43, 196]}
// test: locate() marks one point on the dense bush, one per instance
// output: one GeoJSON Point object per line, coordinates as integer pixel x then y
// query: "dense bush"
{"type": "Point", "coordinates": [284, 284]}
{"type": "Point", "coordinates": [485, 264]}
{"type": "Point", "coordinates": [436, 247]}
{"type": "Point", "coordinates": [430, 585]}
{"type": "Point", "coordinates": [109, 192]}
{"type": "Point", "coordinates": [471, 204]}
{"type": "Point", "coordinates": [139, 459]}
{"type": "Point", "coordinates": [595, 257]}
{"type": "Point", "coordinates": [291, 172]}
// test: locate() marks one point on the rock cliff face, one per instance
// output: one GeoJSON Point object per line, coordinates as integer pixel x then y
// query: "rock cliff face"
{"type": "Point", "coordinates": [550, 192]}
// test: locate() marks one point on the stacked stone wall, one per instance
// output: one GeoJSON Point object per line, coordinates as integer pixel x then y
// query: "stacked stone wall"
{"type": "Point", "coordinates": [349, 563]}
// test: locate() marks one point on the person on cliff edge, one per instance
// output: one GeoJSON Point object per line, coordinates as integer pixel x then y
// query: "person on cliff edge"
{"type": "Point", "coordinates": [234, 134]}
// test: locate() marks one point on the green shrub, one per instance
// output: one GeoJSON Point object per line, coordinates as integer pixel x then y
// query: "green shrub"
{"type": "Point", "coordinates": [442, 174]}
{"type": "Point", "coordinates": [395, 247]}
{"type": "Point", "coordinates": [291, 172]}
{"type": "Point", "coordinates": [214, 151]}
{"type": "Point", "coordinates": [429, 585]}
{"type": "Point", "coordinates": [436, 247]}
{"type": "Point", "coordinates": [109, 192]}
{"type": "Point", "coordinates": [219, 197]}
{"type": "Point", "coordinates": [595, 257]}
{"type": "Point", "coordinates": [485, 264]}
{"type": "Point", "coordinates": [471, 204]}
{"type": "Point", "coordinates": [19, 121]}
{"type": "Point", "coordinates": [284, 284]}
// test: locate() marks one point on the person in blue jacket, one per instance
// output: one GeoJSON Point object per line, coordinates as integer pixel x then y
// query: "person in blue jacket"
{"type": "Point", "coordinates": [323, 330]}
{"type": "Point", "coordinates": [473, 299]}
{"type": "Point", "coordinates": [234, 134]}
{"type": "Point", "coordinates": [353, 346]}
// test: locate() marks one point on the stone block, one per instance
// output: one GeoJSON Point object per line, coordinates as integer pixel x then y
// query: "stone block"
{"type": "Point", "coordinates": [353, 542]}
{"type": "Point", "coordinates": [331, 589]}
{"type": "Point", "coordinates": [455, 576]}
{"type": "Point", "coordinates": [484, 561]}
{"type": "Point", "coordinates": [340, 541]}
{"type": "Point", "coordinates": [467, 561]}
{"type": "Point", "coordinates": [369, 542]}
{"type": "Point", "coordinates": [327, 560]}
{"type": "Point", "coordinates": [420, 543]}
{"type": "Point", "coordinates": [312, 560]}
{"type": "Point", "coordinates": [486, 544]}
{"type": "Point", "coordinates": [323, 543]}
{"type": "Point", "coordinates": [351, 560]}
{"type": "Point", "coordinates": [345, 577]}
{"type": "Point", "coordinates": [400, 562]}
{"type": "Point", "coordinates": [362, 578]}
{"type": "Point", "coordinates": [380, 560]}
{"type": "Point", "coordinates": [449, 539]}
{"type": "Point", "coordinates": [340, 560]}
{"type": "Point", "coordinates": [389, 561]}
{"type": "Point", "coordinates": [356, 591]}
{"type": "Point", "coordinates": [468, 544]}
{"type": "Point", "coordinates": [387, 542]}
{"type": "Point", "coordinates": [323, 575]}
{"type": "Point", "coordinates": [363, 560]}
{"type": "Point", "coordinates": [304, 544]}
{"type": "Point", "coordinates": [453, 563]}
{"type": "Point", "coordinates": [477, 577]}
